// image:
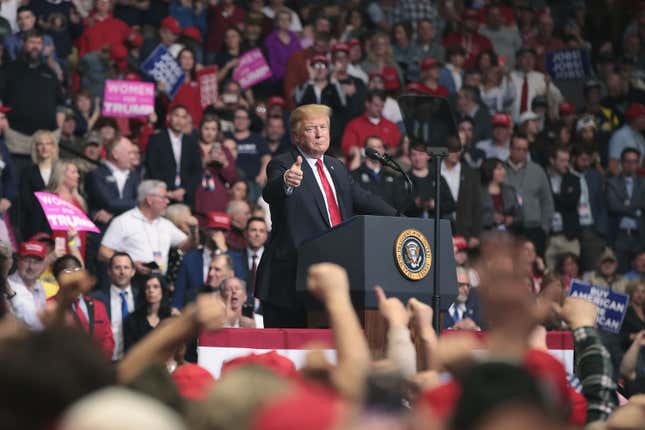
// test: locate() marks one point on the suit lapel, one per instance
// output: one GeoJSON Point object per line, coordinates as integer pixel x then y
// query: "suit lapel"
{"type": "Point", "coordinates": [169, 150]}
{"type": "Point", "coordinates": [110, 182]}
{"type": "Point", "coordinates": [312, 186]}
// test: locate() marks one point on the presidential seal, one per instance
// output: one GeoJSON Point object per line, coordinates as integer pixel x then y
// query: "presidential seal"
{"type": "Point", "coordinates": [412, 254]}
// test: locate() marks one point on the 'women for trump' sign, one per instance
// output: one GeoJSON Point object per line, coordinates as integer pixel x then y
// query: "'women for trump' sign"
{"type": "Point", "coordinates": [63, 215]}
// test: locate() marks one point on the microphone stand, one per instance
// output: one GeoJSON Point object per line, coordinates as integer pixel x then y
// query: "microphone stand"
{"type": "Point", "coordinates": [437, 154]}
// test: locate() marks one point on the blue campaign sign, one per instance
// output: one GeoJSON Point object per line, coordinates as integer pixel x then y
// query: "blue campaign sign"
{"type": "Point", "coordinates": [162, 67]}
{"type": "Point", "coordinates": [612, 306]}
{"type": "Point", "coordinates": [568, 64]}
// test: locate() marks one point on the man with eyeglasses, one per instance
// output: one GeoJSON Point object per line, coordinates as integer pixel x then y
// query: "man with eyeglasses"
{"type": "Point", "coordinates": [25, 294]}
{"type": "Point", "coordinates": [626, 205]}
{"type": "Point", "coordinates": [463, 313]}
{"type": "Point", "coordinates": [308, 194]}
{"type": "Point", "coordinates": [145, 234]}
{"type": "Point", "coordinates": [533, 192]}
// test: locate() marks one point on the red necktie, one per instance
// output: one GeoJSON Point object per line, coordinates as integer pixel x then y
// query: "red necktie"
{"type": "Point", "coordinates": [524, 101]}
{"type": "Point", "coordinates": [334, 212]}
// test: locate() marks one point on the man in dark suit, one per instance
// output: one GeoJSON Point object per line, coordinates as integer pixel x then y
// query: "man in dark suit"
{"type": "Point", "coordinates": [465, 187]}
{"type": "Point", "coordinates": [565, 228]}
{"type": "Point", "coordinates": [308, 194]}
{"type": "Point", "coordinates": [173, 157]}
{"type": "Point", "coordinates": [120, 299]}
{"type": "Point", "coordinates": [626, 203]}
{"type": "Point", "coordinates": [592, 209]}
{"type": "Point", "coordinates": [112, 187]}
{"type": "Point", "coordinates": [193, 271]}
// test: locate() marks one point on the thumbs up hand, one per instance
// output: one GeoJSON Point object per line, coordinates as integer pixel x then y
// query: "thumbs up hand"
{"type": "Point", "coordinates": [293, 176]}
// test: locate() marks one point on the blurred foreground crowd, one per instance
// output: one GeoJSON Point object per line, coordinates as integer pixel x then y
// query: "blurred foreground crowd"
{"type": "Point", "coordinates": [557, 162]}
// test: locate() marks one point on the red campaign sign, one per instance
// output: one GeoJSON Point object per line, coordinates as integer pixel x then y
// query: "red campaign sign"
{"type": "Point", "coordinates": [207, 78]}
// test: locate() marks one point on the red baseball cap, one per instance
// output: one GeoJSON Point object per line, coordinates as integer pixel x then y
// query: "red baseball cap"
{"type": "Point", "coordinates": [634, 111]}
{"type": "Point", "coordinates": [219, 220]}
{"type": "Point", "coordinates": [193, 381]}
{"type": "Point", "coordinates": [459, 243]}
{"type": "Point", "coordinates": [353, 42]}
{"type": "Point", "coordinates": [304, 407]}
{"type": "Point", "coordinates": [193, 33]}
{"type": "Point", "coordinates": [4, 109]}
{"type": "Point", "coordinates": [470, 14]}
{"type": "Point", "coordinates": [132, 76]}
{"type": "Point", "coordinates": [276, 101]}
{"type": "Point", "coordinates": [319, 58]}
{"type": "Point", "coordinates": [135, 39]}
{"type": "Point", "coordinates": [429, 63]}
{"type": "Point", "coordinates": [171, 24]}
{"type": "Point", "coordinates": [415, 87]}
{"type": "Point", "coordinates": [32, 248]}
{"type": "Point", "coordinates": [340, 47]}
{"type": "Point", "coordinates": [391, 78]}
{"type": "Point", "coordinates": [501, 119]}
{"type": "Point", "coordinates": [566, 108]}
{"type": "Point", "coordinates": [279, 364]}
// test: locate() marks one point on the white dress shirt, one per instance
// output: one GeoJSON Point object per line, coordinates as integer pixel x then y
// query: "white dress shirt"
{"type": "Point", "coordinates": [175, 142]}
{"type": "Point", "coordinates": [250, 253]}
{"type": "Point", "coordinates": [120, 176]}
{"type": "Point", "coordinates": [536, 87]}
{"type": "Point", "coordinates": [453, 178]}
{"type": "Point", "coordinates": [117, 319]}
{"type": "Point", "coordinates": [27, 302]}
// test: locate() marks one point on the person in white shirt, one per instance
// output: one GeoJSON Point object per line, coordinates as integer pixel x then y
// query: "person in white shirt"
{"type": "Point", "coordinates": [144, 234]}
{"type": "Point", "coordinates": [25, 292]}
{"type": "Point", "coordinates": [530, 83]}
{"type": "Point", "coordinates": [119, 299]}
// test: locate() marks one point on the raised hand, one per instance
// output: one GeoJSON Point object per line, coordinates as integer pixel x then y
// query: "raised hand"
{"type": "Point", "coordinates": [392, 309]}
{"type": "Point", "coordinates": [293, 176]}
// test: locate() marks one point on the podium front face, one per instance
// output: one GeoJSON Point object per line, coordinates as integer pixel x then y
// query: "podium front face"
{"type": "Point", "coordinates": [396, 253]}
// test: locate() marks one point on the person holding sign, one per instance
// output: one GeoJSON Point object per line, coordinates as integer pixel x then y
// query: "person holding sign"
{"type": "Point", "coordinates": [64, 182]}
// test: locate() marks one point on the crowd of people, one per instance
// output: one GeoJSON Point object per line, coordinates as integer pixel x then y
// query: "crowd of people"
{"type": "Point", "coordinates": [185, 202]}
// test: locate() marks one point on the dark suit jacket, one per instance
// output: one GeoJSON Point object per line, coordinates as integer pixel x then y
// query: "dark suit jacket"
{"type": "Point", "coordinates": [511, 206]}
{"type": "Point", "coordinates": [160, 163]}
{"type": "Point", "coordinates": [102, 192]}
{"type": "Point", "coordinates": [468, 216]}
{"type": "Point", "coordinates": [190, 276]}
{"type": "Point", "coordinates": [299, 216]}
{"type": "Point", "coordinates": [619, 205]}
{"type": "Point", "coordinates": [32, 219]}
{"type": "Point", "coordinates": [566, 203]}
{"type": "Point", "coordinates": [104, 297]}
{"type": "Point", "coordinates": [388, 186]}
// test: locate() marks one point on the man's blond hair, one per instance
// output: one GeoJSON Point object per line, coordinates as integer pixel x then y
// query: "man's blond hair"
{"type": "Point", "coordinates": [305, 112]}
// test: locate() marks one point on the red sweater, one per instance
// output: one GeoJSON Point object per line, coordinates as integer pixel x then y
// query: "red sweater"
{"type": "Point", "coordinates": [188, 95]}
{"type": "Point", "coordinates": [361, 128]}
{"type": "Point", "coordinates": [108, 31]}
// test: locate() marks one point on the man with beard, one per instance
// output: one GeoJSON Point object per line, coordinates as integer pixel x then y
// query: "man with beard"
{"type": "Point", "coordinates": [33, 91]}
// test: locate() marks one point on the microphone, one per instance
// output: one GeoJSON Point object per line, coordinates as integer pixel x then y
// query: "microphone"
{"type": "Point", "coordinates": [376, 156]}
{"type": "Point", "coordinates": [386, 160]}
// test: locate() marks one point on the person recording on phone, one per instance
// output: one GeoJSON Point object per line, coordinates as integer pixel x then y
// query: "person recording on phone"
{"type": "Point", "coordinates": [219, 169]}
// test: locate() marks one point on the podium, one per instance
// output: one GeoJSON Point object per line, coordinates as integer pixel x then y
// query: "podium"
{"type": "Point", "coordinates": [378, 250]}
